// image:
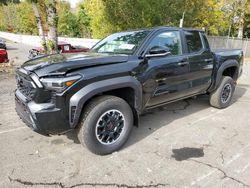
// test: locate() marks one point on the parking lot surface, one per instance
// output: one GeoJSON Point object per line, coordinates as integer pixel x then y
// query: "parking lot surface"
{"type": "Point", "coordinates": [184, 144]}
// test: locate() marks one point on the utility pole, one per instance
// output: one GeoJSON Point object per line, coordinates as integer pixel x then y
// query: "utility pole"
{"type": "Point", "coordinates": [182, 19]}
{"type": "Point", "coordinates": [229, 30]}
{"type": "Point", "coordinates": [243, 4]}
{"type": "Point", "coordinates": [241, 26]}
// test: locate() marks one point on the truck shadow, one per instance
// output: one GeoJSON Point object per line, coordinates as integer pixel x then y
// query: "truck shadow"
{"type": "Point", "coordinates": [154, 119]}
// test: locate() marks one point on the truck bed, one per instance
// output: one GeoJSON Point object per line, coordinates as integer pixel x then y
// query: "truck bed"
{"type": "Point", "coordinates": [225, 54]}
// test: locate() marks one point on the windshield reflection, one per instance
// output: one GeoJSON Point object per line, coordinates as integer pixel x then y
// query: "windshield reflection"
{"type": "Point", "coordinates": [121, 43]}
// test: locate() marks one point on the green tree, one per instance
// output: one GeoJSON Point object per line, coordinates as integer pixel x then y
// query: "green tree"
{"type": "Point", "coordinates": [237, 11]}
{"type": "Point", "coordinates": [83, 21]}
{"type": "Point", "coordinates": [26, 19]}
{"type": "Point", "coordinates": [98, 24]}
{"type": "Point", "coordinates": [5, 2]}
{"type": "Point", "coordinates": [206, 14]}
{"type": "Point", "coordinates": [118, 15]}
{"type": "Point", "coordinates": [99, 18]}
{"type": "Point", "coordinates": [2, 20]}
{"type": "Point", "coordinates": [247, 26]}
{"type": "Point", "coordinates": [67, 21]}
{"type": "Point", "coordinates": [73, 24]}
{"type": "Point", "coordinates": [10, 19]}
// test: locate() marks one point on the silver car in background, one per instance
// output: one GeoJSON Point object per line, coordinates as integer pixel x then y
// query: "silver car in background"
{"type": "Point", "coordinates": [3, 44]}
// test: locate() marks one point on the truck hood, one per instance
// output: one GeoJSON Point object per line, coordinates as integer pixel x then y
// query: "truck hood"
{"type": "Point", "coordinates": [59, 64]}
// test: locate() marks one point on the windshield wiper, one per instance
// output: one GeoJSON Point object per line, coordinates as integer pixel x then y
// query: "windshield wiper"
{"type": "Point", "coordinates": [106, 52]}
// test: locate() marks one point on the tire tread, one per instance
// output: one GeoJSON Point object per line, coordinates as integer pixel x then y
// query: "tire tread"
{"type": "Point", "coordinates": [82, 131]}
{"type": "Point", "coordinates": [215, 97]}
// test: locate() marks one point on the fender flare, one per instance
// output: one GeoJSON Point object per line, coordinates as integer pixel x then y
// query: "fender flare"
{"type": "Point", "coordinates": [78, 100]}
{"type": "Point", "coordinates": [223, 67]}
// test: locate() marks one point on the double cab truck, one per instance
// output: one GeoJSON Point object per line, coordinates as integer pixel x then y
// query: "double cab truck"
{"type": "Point", "coordinates": [103, 92]}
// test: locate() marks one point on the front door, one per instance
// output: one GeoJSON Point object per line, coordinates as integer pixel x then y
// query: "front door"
{"type": "Point", "coordinates": [165, 77]}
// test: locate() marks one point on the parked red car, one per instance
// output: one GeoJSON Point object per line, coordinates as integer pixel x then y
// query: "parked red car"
{"type": "Point", "coordinates": [63, 47]}
{"type": "Point", "coordinates": [3, 56]}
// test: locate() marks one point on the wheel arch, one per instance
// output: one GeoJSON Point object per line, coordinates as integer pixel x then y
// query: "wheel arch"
{"type": "Point", "coordinates": [120, 87]}
{"type": "Point", "coordinates": [228, 68]}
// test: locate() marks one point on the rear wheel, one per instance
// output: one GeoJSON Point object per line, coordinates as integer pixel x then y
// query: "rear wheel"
{"type": "Point", "coordinates": [106, 124]}
{"type": "Point", "coordinates": [222, 96]}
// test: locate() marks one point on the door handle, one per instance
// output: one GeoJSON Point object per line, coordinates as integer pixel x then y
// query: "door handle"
{"type": "Point", "coordinates": [183, 63]}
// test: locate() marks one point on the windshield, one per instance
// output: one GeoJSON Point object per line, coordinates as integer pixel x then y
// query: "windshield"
{"type": "Point", "coordinates": [121, 43]}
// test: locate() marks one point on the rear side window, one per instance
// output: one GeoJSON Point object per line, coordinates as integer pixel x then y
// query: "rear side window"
{"type": "Point", "coordinates": [193, 39]}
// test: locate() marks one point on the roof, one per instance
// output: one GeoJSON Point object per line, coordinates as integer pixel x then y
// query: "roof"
{"type": "Point", "coordinates": [178, 28]}
{"type": "Point", "coordinates": [164, 27]}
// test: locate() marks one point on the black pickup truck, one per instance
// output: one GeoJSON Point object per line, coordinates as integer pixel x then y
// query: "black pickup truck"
{"type": "Point", "coordinates": [101, 93]}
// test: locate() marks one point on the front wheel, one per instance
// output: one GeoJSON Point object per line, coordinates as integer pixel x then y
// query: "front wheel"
{"type": "Point", "coordinates": [106, 124]}
{"type": "Point", "coordinates": [222, 96]}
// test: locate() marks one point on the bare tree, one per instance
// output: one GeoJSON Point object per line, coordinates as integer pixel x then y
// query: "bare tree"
{"type": "Point", "coordinates": [51, 44]}
{"type": "Point", "coordinates": [242, 11]}
{"type": "Point", "coordinates": [52, 24]}
{"type": "Point", "coordinates": [39, 22]}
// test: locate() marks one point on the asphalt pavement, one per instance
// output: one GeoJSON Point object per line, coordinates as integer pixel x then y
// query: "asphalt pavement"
{"type": "Point", "coordinates": [184, 144]}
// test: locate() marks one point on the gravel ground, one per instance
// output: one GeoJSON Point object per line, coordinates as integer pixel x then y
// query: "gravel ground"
{"type": "Point", "coordinates": [184, 144]}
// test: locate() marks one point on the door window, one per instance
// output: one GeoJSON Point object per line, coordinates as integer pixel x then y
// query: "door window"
{"type": "Point", "coordinates": [193, 39]}
{"type": "Point", "coordinates": [169, 39]}
{"type": "Point", "coordinates": [66, 48]}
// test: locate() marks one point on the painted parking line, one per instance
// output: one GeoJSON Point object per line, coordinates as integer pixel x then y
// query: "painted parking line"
{"type": "Point", "coordinates": [12, 130]}
{"type": "Point", "coordinates": [234, 158]}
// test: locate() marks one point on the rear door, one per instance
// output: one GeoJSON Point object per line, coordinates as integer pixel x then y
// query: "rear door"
{"type": "Point", "coordinates": [200, 61]}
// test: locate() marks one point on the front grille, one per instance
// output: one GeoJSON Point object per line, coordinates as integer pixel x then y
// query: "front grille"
{"type": "Point", "coordinates": [26, 87]}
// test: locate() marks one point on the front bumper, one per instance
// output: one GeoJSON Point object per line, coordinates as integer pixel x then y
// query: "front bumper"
{"type": "Point", "coordinates": [43, 118]}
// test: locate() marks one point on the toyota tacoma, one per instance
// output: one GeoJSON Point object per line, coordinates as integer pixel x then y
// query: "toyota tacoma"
{"type": "Point", "coordinates": [102, 93]}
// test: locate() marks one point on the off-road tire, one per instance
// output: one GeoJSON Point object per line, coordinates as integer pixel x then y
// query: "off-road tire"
{"type": "Point", "coordinates": [91, 115]}
{"type": "Point", "coordinates": [216, 99]}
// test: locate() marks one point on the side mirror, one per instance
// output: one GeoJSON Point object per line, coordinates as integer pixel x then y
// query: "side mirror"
{"type": "Point", "coordinates": [158, 51]}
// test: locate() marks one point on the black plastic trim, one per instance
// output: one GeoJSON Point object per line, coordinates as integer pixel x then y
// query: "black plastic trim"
{"type": "Point", "coordinates": [78, 99]}
{"type": "Point", "coordinates": [224, 66]}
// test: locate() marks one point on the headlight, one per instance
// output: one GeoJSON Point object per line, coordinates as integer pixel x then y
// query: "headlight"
{"type": "Point", "coordinates": [59, 84]}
